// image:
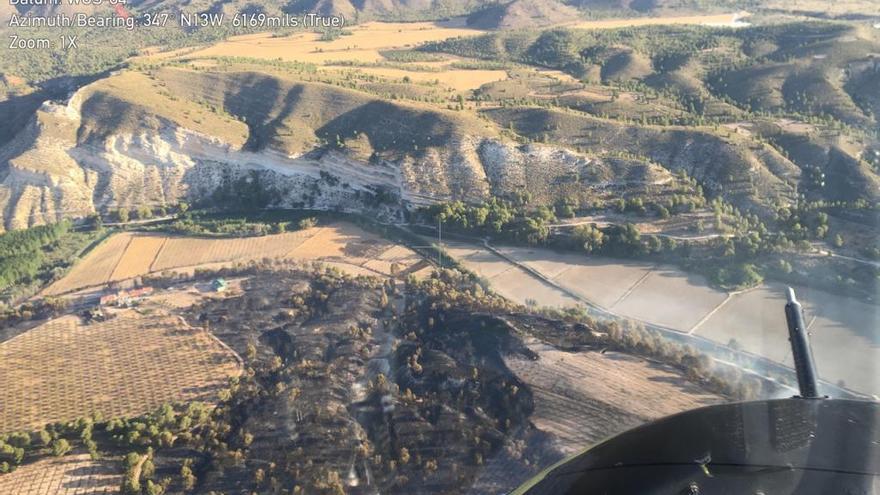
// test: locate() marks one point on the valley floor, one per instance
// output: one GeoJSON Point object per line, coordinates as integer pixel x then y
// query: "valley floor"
{"type": "Point", "coordinates": [841, 328]}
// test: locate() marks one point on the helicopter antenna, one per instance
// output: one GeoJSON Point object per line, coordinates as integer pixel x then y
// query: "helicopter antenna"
{"type": "Point", "coordinates": [804, 365]}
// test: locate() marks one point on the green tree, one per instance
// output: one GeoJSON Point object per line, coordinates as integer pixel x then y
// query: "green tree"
{"type": "Point", "coordinates": [589, 237]}
{"type": "Point", "coordinates": [60, 447]}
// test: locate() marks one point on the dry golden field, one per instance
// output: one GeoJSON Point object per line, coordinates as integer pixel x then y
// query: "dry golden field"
{"type": "Point", "coordinates": [190, 251]}
{"type": "Point", "coordinates": [362, 45]}
{"type": "Point", "coordinates": [138, 256]}
{"type": "Point", "coordinates": [702, 20]}
{"type": "Point", "coordinates": [73, 474]}
{"type": "Point", "coordinates": [365, 44]}
{"type": "Point", "coordinates": [126, 366]}
{"type": "Point", "coordinates": [365, 41]}
{"type": "Point", "coordinates": [129, 255]}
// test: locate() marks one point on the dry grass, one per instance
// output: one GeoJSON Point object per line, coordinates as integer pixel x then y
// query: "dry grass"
{"type": "Point", "coordinates": [138, 89]}
{"type": "Point", "coordinates": [69, 475]}
{"type": "Point", "coordinates": [363, 46]}
{"type": "Point", "coordinates": [127, 366]}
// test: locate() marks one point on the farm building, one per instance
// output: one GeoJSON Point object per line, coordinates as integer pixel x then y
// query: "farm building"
{"type": "Point", "coordinates": [219, 285]}
{"type": "Point", "coordinates": [126, 298]}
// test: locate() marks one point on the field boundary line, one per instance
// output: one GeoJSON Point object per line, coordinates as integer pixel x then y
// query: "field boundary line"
{"type": "Point", "coordinates": [812, 320]}
{"type": "Point", "coordinates": [632, 288]}
{"type": "Point", "coordinates": [563, 272]}
{"type": "Point", "coordinates": [318, 232]}
{"type": "Point", "coordinates": [210, 334]}
{"type": "Point", "coordinates": [158, 253]}
{"type": "Point", "coordinates": [730, 296]}
{"type": "Point", "coordinates": [119, 261]}
{"type": "Point", "coordinates": [710, 314]}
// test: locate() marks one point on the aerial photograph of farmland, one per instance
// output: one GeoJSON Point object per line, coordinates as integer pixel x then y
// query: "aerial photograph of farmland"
{"type": "Point", "coordinates": [448, 247]}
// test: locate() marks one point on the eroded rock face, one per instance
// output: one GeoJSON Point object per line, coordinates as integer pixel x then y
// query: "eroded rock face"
{"type": "Point", "coordinates": [55, 170]}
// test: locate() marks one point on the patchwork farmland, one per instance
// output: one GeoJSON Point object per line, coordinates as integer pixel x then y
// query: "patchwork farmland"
{"type": "Point", "coordinates": [128, 255]}
{"type": "Point", "coordinates": [126, 366]}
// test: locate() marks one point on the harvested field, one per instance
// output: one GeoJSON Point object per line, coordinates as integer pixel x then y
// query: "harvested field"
{"type": "Point", "coordinates": [73, 474]}
{"type": "Point", "coordinates": [341, 241]}
{"type": "Point", "coordinates": [189, 251]}
{"type": "Point", "coordinates": [841, 328]}
{"type": "Point", "coordinates": [362, 45]}
{"type": "Point", "coordinates": [718, 20]}
{"type": "Point", "coordinates": [138, 257]}
{"type": "Point", "coordinates": [351, 248]}
{"type": "Point", "coordinates": [601, 280]}
{"type": "Point", "coordinates": [97, 267]}
{"type": "Point", "coordinates": [670, 298]}
{"type": "Point", "coordinates": [840, 331]}
{"type": "Point", "coordinates": [582, 398]}
{"type": "Point", "coordinates": [123, 367]}
{"type": "Point", "coordinates": [517, 285]}
{"type": "Point", "coordinates": [748, 318]}
{"type": "Point", "coordinates": [485, 264]}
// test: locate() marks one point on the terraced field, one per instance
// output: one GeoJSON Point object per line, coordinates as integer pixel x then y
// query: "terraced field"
{"type": "Point", "coordinates": [123, 367]}
{"type": "Point", "coordinates": [129, 255]}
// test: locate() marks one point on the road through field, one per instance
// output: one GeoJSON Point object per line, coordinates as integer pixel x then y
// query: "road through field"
{"type": "Point", "coordinates": [845, 344]}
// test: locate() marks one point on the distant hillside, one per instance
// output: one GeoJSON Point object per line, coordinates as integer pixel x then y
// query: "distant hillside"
{"type": "Point", "coordinates": [175, 134]}
{"type": "Point", "coordinates": [746, 176]}
{"type": "Point", "coordinates": [638, 5]}
{"type": "Point", "coordinates": [821, 69]}
{"type": "Point", "coordinates": [523, 14]}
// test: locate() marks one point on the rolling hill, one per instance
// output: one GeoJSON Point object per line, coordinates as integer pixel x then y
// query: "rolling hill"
{"type": "Point", "coordinates": [523, 14]}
